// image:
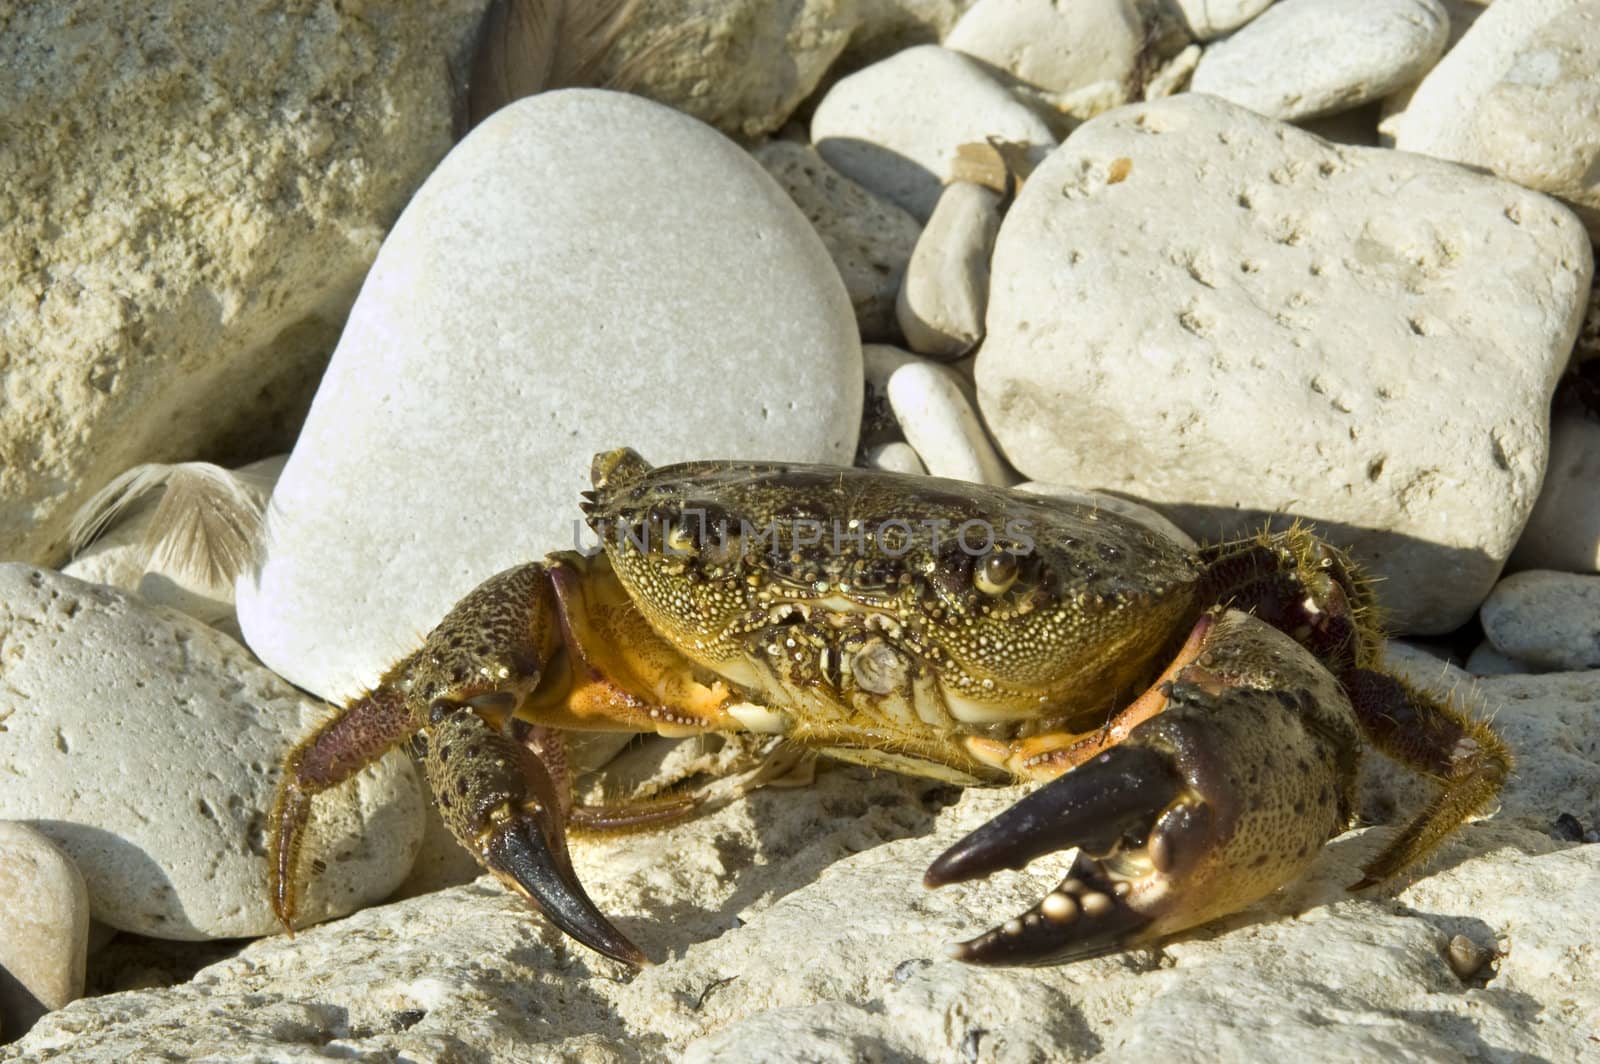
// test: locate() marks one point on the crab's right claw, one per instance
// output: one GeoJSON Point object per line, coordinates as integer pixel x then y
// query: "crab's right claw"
{"type": "Point", "coordinates": [1225, 795]}
{"type": "Point", "coordinates": [502, 802]}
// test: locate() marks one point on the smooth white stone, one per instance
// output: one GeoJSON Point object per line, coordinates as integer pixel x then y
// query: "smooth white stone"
{"type": "Point", "coordinates": [1519, 96]}
{"type": "Point", "coordinates": [895, 125]}
{"type": "Point", "coordinates": [1549, 620]}
{"type": "Point", "coordinates": [147, 746]}
{"type": "Point", "coordinates": [1208, 19]}
{"type": "Point", "coordinates": [1060, 47]}
{"type": "Point", "coordinates": [1228, 317]}
{"type": "Point", "coordinates": [896, 456]}
{"type": "Point", "coordinates": [586, 270]}
{"type": "Point", "coordinates": [1304, 58]}
{"type": "Point", "coordinates": [44, 934]}
{"type": "Point", "coordinates": [946, 288]}
{"type": "Point", "coordinates": [941, 425]}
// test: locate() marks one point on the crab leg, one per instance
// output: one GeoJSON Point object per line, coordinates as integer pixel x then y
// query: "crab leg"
{"type": "Point", "coordinates": [1226, 794]}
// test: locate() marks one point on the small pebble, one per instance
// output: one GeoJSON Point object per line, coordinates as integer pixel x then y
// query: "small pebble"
{"type": "Point", "coordinates": [940, 423]}
{"type": "Point", "coordinates": [946, 288]}
{"type": "Point", "coordinates": [1466, 957]}
{"type": "Point", "coordinates": [44, 932]}
{"type": "Point", "coordinates": [1550, 620]}
{"type": "Point", "coordinates": [896, 457]}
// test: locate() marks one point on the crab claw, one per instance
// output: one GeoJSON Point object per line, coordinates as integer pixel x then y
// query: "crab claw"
{"type": "Point", "coordinates": [1225, 795]}
{"type": "Point", "coordinates": [503, 802]}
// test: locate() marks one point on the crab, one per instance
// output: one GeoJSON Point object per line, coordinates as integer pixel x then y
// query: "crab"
{"type": "Point", "coordinates": [1195, 718]}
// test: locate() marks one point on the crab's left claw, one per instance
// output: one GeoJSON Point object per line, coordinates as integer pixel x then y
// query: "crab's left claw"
{"type": "Point", "coordinates": [1225, 795]}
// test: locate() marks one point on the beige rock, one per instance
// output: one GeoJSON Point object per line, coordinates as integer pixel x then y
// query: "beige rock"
{"type": "Point", "coordinates": [147, 746]}
{"type": "Point", "coordinates": [944, 294]}
{"type": "Point", "coordinates": [1550, 620]}
{"type": "Point", "coordinates": [740, 65]}
{"type": "Point", "coordinates": [1563, 532]}
{"type": "Point", "coordinates": [889, 26]}
{"type": "Point", "coordinates": [192, 195]}
{"type": "Point", "coordinates": [44, 936]}
{"type": "Point", "coordinates": [869, 239]}
{"type": "Point", "coordinates": [1518, 96]}
{"type": "Point", "coordinates": [1233, 319]}
{"type": "Point", "coordinates": [896, 456]}
{"type": "Point", "coordinates": [939, 421]}
{"type": "Point", "coordinates": [896, 125]}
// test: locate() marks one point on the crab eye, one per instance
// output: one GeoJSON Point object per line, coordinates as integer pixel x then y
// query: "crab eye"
{"type": "Point", "coordinates": [996, 573]}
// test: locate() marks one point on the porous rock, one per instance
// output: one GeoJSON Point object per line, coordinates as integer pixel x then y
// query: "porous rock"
{"type": "Point", "coordinates": [1233, 319]}
{"type": "Point", "coordinates": [895, 126]}
{"type": "Point", "coordinates": [793, 921]}
{"type": "Point", "coordinates": [553, 291]}
{"type": "Point", "coordinates": [45, 934]}
{"type": "Point", "coordinates": [1550, 620]}
{"type": "Point", "coordinates": [1305, 58]}
{"type": "Point", "coordinates": [1519, 95]}
{"type": "Point", "coordinates": [147, 746]}
{"type": "Point", "coordinates": [192, 195]}
{"type": "Point", "coordinates": [870, 239]}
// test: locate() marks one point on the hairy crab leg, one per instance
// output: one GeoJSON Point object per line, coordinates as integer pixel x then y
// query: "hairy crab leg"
{"type": "Point", "coordinates": [1226, 794]}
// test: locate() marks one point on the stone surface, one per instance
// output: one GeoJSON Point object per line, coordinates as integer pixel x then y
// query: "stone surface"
{"type": "Point", "coordinates": [792, 924]}
{"type": "Point", "coordinates": [1485, 660]}
{"type": "Point", "coordinates": [869, 239]}
{"type": "Point", "coordinates": [889, 26]}
{"type": "Point", "coordinates": [1304, 58]}
{"type": "Point", "coordinates": [121, 558]}
{"type": "Point", "coordinates": [45, 934]}
{"type": "Point", "coordinates": [878, 426]}
{"type": "Point", "coordinates": [740, 65]}
{"type": "Point", "coordinates": [1563, 531]}
{"type": "Point", "coordinates": [1519, 96]}
{"type": "Point", "coordinates": [192, 195]}
{"type": "Point", "coordinates": [896, 456]}
{"type": "Point", "coordinates": [1184, 279]}
{"type": "Point", "coordinates": [1550, 620]}
{"type": "Point", "coordinates": [895, 126]}
{"type": "Point", "coordinates": [1207, 19]}
{"type": "Point", "coordinates": [941, 302]}
{"type": "Point", "coordinates": [939, 421]}
{"type": "Point", "coordinates": [146, 745]}
{"type": "Point", "coordinates": [1064, 48]}
{"type": "Point", "coordinates": [554, 290]}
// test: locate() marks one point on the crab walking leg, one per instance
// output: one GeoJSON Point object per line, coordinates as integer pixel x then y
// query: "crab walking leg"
{"type": "Point", "coordinates": [1434, 738]}
{"type": "Point", "coordinates": [363, 732]}
{"type": "Point", "coordinates": [1226, 794]}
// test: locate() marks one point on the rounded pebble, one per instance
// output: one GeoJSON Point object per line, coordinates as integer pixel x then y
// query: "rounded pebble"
{"type": "Point", "coordinates": [555, 289]}
{"type": "Point", "coordinates": [946, 288]}
{"type": "Point", "coordinates": [1549, 620]}
{"type": "Point", "coordinates": [940, 423]}
{"type": "Point", "coordinates": [147, 746]}
{"type": "Point", "coordinates": [44, 935]}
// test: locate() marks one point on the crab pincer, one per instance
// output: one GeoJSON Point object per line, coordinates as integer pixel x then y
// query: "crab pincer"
{"type": "Point", "coordinates": [1226, 794]}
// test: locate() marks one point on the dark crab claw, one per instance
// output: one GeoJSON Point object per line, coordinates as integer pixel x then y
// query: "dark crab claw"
{"type": "Point", "coordinates": [1225, 795]}
{"type": "Point", "coordinates": [502, 801]}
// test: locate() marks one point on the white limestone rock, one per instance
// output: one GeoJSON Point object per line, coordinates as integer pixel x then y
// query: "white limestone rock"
{"type": "Point", "coordinates": [1563, 531]}
{"type": "Point", "coordinates": [939, 422]}
{"type": "Point", "coordinates": [895, 126]}
{"type": "Point", "coordinates": [44, 937]}
{"type": "Point", "coordinates": [1064, 48]}
{"type": "Point", "coordinates": [1209, 19]}
{"type": "Point", "coordinates": [1550, 620]}
{"type": "Point", "coordinates": [1518, 96]}
{"type": "Point", "coordinates": [946, 287]}
{"type": "Point", "coordinates": [869, 239]}
{"type": "Point", "coordinates": [1228, 317]}
{"type": "Point", "coordinates": [147, 746]}
{"type": "Point", "coordinates": [896, 456]}
{"type": "Point", "coordinates": [554, 290]}
{"type": "Point", "coordinates": [1305, 58]}
{"type": "Point", "coordinates": [191, 195]}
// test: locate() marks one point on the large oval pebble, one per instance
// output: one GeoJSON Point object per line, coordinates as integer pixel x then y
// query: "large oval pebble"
{"type": "Point", "coordinates": [146, 745]}
{"type": "Point", "coordinates": [1234, 319]}
{"type": "Point", "coordinates": [587, 270]}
